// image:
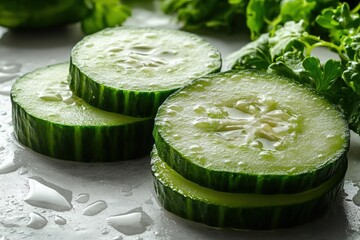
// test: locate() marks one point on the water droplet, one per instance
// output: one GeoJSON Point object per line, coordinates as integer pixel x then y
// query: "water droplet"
{"type": "Point", "coordinates": [43, 194]}
{"type": "Point", "coordinates": [49, 96]}
{"type": "Point", "coordinates": [151, 35]}
{"type": "Point", "coordinates": [95, 208]}
{"type": "Point", "coordinates": [10, 68]}
{"type": "Point", "coordinates": [195, 148]}
{"type": "Point", "coordinates": [213, 55]}
{"type": "Point", "coordinates": [176, 137]}
{"type": "Point", "coordinates": [104, 231]}
{"type": "Point", "coordinates": [266, 154]}
{"type": "Point", "coordinates": [82, 198]}
{"type": "Point", "coordinates": [8, 225]}
{"type": "Point", "coordinates": [330, 135]}
{"type": "Point", "coordinates": [36, 221]}
{"type": "Point", "coordinates": [130, 223]}
{"type": "Point", "coordinates": [115, 49]}
{"type": "Point", "coordinates": [356, 199]}
{"type": "Point", "coordinates": [118, 238]}
{"type": "Point", "coordinates": [60, 220]}
{"type": "Point", "coordinates": [89, 45]}
{"type": "Point", "coordinates": [199, 109]}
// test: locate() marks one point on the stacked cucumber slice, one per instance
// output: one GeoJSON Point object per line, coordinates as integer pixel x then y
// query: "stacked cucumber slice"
{"type": "Point", "coordinates": [248, 150]}
{"type": "Point", "coordinates": [134, 70]}
{"type": "Point", "coordinates": [103, 108]}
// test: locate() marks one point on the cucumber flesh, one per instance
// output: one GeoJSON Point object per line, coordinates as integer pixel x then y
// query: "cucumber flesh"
{"type": "Point", "coordinates": [49, 119]}
{"type": "Point", "coordinates": [132, 70]}
{"type": "Point", "coordinates": [241, 210]}
{"type": "Point", "coordinates": [251, 132]}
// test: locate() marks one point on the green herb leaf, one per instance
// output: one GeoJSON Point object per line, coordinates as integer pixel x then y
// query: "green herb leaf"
{"type": "Point", "coordinates": [290, 65]}
{"type": "Point", "coordinates": [339, 21]}
{"type": "Point", "coordinates": [352, 76]}
{"type": "Point", "coordinates": [105, 13]}
{"type": "Point", "coordinates": [257, 12]}
{"type": "Point", "coordinates": [352, 46]}
{"type": "Point", "coordinates": [287, 39]}
{"type": "Point", "coordinates": [322, 78]}
{"type": "Point", "coordinates": [296, 10]}
{"type": "Point", "coordinates": [254, 55]}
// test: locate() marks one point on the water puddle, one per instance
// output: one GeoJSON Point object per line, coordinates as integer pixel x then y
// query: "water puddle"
{"type": "Point", "coordinates": [133, 222]}
{"type": "Point", "coordinates": [95, 208]}
{"type": "Point", "coordinates": [36, 221]}
{"type": "Point", "coordinates": [46, 195]}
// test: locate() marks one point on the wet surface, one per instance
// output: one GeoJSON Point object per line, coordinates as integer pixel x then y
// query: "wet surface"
{"type": "Point", "coordinates": [44, 198]}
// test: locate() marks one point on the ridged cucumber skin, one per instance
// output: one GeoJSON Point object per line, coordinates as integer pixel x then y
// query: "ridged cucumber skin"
{"type": "Point", "coordinates": [40, 13]}
{"type": "Point", "coordinates": [249, 218]}
{"type": "Point", "coordinates": [132, 103]}
{"type": "Point", "coordinates": [90, 136]}
{"type": "Point", "coordinates": [82, 143]}
{"type": "Point", "coordinates": [244, 183]}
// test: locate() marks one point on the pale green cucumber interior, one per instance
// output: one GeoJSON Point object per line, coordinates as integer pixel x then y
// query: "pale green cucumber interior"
{"type": "Point", "coordinates": [45, 94]}
{"type": "Point", "coordinates": [180, 185]}
{"type": "Point", "coordinates": [252, 123]}
{"type": "Point", "coordinates": [145, 59]}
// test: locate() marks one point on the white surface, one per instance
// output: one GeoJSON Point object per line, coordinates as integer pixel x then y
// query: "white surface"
{"type": "Point", "coordinates": [124, 187]}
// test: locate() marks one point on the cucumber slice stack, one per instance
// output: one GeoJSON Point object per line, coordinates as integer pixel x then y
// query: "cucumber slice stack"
{"type": "Point", "coordinates": [248, 150]}
{"type": "Point", "coordinates": [117, 71]}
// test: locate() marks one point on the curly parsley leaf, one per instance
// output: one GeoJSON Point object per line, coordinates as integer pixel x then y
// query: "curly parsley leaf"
{"type": "Point", "coordinates": [287, 39]}
{"type": "Point", "coordinates": [289, 65]}
{"type": "Point", "coordinates": [339, 21]}
{"type": "Point", "coordinates": [352, 46]}
{"type": "Point", "coordinates": [352, 76]}
{"type": "Point", "coordinates": [322, 77]}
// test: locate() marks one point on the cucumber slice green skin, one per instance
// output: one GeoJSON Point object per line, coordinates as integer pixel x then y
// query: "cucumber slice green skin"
{"type": "Point", "coordinates": [49, 119]}
{"type": "Point", "coordinates": [231, 181]}
{"type": "Point", "coordinates": [82, 143]}
{"type": "Point", "coordinates": [242, 217]}
{"type": "Point", "coordinates": [41, 13]}
{"type": "Point", "coordinates": [247, 218]}
{"type": "Point", "coordinates": [131, 103]}
{"type": "Point", "coordinates": [245, 183]}
{"type": "Point", "coordinates": [136, 82]}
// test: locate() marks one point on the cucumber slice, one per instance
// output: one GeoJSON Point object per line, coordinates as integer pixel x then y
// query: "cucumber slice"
{"type": "Point", "coordinates": [251, 132]}
{"type": "Point", "coordinates": [41, 13]}
{"type": "Point", "coordinates": [242, 210]}
{"type": "Point", "coordinates": [50, 120]}
{"type": "Point", "coordinates": [133, 70]}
